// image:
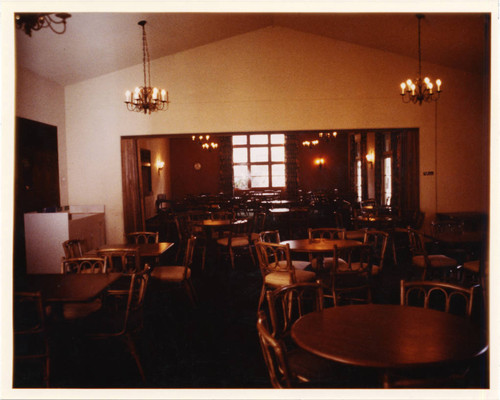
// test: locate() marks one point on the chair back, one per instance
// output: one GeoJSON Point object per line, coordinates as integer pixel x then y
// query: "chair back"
{"type": "Point", "coordinates": [73, 248]}
{"type": "Point", "coordinates": [416, 241]}
{"type": "Point", "coordinates": [288, 303]}
{"type": "Point", "coordinates": [439, 296]}
{"type": "Point", "coordinates": [274, 354]}
{"type": "Point", "coordinates": [270, 236]}
{"type": "Point", "coordinates": [351, 274]}
{"type": "Point", "coordinates": [84, 265]}
{"type": "Point", "coordinates": [222, 215]}
{"type": "Point", "coordinates": [378, 241]}
{"type": "Point", "coordinates": [188, 256]}
{"type": "Point", "coordinates": [125, 260]}
{"type": "Point", "coordinates": [143, 237]}
{"type": "Point", "coordinates": [258, 222]}
{"type": "Point", "coordinates": [326, 233]}
{"type": "Point", "coordinates": [274, 257]}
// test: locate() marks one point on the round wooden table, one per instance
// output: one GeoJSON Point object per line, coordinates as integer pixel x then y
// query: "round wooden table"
{"type": "Point", "coordinates": [388, 336]}
{"type": "Point", "coordinates": [319, 245]}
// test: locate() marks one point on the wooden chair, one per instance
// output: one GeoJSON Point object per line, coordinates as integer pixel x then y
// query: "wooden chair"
{"type": "Point", "coordinates": [277, 268]}
{"type": "Point", "coordinates": [73, 248]}
{"type": "Point", "coordinates": [179, 274]}
{"type": "Point", "coordinates": [237, 241]}
{"type": "Point", "coordinates": [441, 296]}
{"type": "Point", "coordinates": [323, 233]}
{"type": "Point", "coordinates": [378, 241]}
{"type": "Point", "coordinates": [275, 357]}
{"type": "Point", "coordinates": [183, 228]}
{"type": "Point", "coordinates": [350, 276]}
{"type": "Point", "coordinates": [258, 225]}
{"type": "Point", "coordinates": [286, 305]}
{"type": "Point", "coordinates": [125, 260]}
{"type": "Point", "coordinates": [274, 237]}
{"type": "Point", "coordinates": [430, 264]}
{"type": "Point", "coordinates": [83, 265]}
{"type": "Point", "coordinates": [30, 338]}
{"type": "Point", "coordinates": [444, 297]}
{"type": "Point", "coordinates": [124, 319]}
{"type": "Point", "coordinates": [142, 237]}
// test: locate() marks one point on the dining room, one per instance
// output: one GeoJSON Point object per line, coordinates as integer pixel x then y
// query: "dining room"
{"type": "Point", "coordinates": [303, 127]}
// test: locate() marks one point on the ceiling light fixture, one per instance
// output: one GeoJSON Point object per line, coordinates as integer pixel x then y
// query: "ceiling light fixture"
{"type": "Point", "coordinates": [34, 22]}
{"type": "Point", "coordinates": [419, 91]}
{"type": "Point", "coordinates": [146, 98]}
{"type": "Point", "coordinates": [204, 142]}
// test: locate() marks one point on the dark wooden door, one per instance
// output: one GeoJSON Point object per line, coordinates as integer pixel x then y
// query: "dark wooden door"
{"type": "Point", "coordinates": [36, 176]}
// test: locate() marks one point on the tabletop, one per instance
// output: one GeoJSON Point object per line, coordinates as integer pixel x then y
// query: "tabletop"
{"type": "Point", "coordinates": [319, 245]}
{"type": "Point", "coordinates": [460, 237]}
{"type": "Point", "coordinates": [69, 287]}
{"type": "Point", "coordinates": [145, 249]}
{"type": "Point", "coordinates": [219, 222]}
{"type": "Point", "coordinates": [388, 336]}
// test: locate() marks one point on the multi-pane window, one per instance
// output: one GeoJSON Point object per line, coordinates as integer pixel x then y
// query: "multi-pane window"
{"type": "Point", "coordinates": [259, 161]}
{"type": "Point", "coordinates": [387, 170]}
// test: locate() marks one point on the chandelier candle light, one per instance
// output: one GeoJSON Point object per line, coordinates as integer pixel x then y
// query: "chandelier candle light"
{"type": "Point", "coordinates": [420, 90]}
{"type": "Point", "coordinates": [146, 98]}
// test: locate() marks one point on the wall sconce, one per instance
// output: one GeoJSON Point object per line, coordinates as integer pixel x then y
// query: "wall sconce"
{"type": "Point", "coordinates": [370, 158]}
{"type": "Point", "coordinates": [319, 162]}
{"type": "Point", "coordinates": [159, 165]}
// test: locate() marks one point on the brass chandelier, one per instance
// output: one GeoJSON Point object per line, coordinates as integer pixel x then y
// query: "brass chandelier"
{"type": "Point", "coordinates": [205, 142]}
{"type": "Point", "coordinates": [146, 98]}
{"type": "Point", "coordinates": [420, 90]}
{"type": "Point", "coordinates": [34, 22]}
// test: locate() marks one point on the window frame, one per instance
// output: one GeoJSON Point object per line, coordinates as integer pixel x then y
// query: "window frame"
{"type": "Point", "coordinates": [269, 163]}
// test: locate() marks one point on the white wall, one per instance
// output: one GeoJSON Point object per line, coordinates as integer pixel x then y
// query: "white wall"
{"type": "Point", "coordinates": [42, 100]}
{"type": "Point", "coordinates": [278, 79]}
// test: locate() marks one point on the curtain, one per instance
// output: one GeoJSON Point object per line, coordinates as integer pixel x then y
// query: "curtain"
{"type": "Point", "coordinates": [364, 173]}
{"type": "Point", "coordinates": [379, 153]}
{"type": "Point", "coordinates": [291, 165]}
{"type": "Point", "coordinates": [226, 165]}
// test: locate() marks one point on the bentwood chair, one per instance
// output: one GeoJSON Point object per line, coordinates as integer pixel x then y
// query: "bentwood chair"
{"type": "Point", "coordinates": [274, 237]}
{"type": "Point", "coordinates": [123, 320]}
{"type": "Point", "coordinates": [430, 264]}
{"type": "Point", "coordinates": [237, 242]}
{"type": "Point", "coordinates": [126, 260]}
{"type": "Point", "coordinates": [142, 237]}
{"type": "Point", "coordinates": [83, 265]}
{"type": "Point", "coordinates": [277, 268]}
{"type": "Point", "coordinates": [444, 297]}
{"type": "Point", "coordinates": [31, 347]}
{"type": "Point", "coordinates": [378, 241]}
{"type": "Point", "coordinates": [350, 275]}
{"type": "Point", "coordinates": [179, 274]}
{"type": "Point", "coordinates": [440, 296]}
{"type": "Point", "coordinates": [324, 233]}
{"type": "Point", "coordinates": [73, 248]}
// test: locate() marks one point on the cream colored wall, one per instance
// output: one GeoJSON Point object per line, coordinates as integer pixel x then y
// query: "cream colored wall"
{"type": "Point", "coordinates": [42, 100]}
{"type": "Point", "coordinates": [278, 79]}
{"type": "Point", "coordinates": [160, 180]}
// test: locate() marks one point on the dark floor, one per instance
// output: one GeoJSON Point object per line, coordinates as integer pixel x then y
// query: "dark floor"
{"type": "Point", "coordinates": [214, 345]}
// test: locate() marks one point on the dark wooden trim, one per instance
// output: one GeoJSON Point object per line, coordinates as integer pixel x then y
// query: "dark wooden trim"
{"type": "Point", "coordinates": [133, 214]}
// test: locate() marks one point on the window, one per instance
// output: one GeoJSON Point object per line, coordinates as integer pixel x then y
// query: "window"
{"type": "Point", "coordinates": [387, 171]}
{"type": "Point", "coordinates": [359, 170]}
{"type": "Point", "coordinates": [259, 161]}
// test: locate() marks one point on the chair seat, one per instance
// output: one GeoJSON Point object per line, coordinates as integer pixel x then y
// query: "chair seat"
{"type": "Point", "coordinates": [278, 279]}
{"type": "Point", "coordinates": [309, 367]}
{"type": "Point", "coordinates": [328, 263]}
{"type": "Point", "coordinates": [436, 261]}
{"type": "Point", "coordinates": [170, 273]}
{"type": "Point", "coordinates": [472, 266]}
{"type": "Point", "coordinates": [81, 310]}
{"type": "Point", "coordinates": [238, 241]}
{"type": "Point", "coordinates": [297, 264]}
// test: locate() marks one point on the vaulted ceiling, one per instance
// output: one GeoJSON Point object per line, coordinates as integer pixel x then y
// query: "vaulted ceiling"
{"type": "Point", "coordinates": [99, 43]}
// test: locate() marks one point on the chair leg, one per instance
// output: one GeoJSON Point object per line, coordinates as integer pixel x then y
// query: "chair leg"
{"type": "Point", "coordinates": [231, 255]}
{"type": "Point", "coordinates": [261, 297]}
{"type": "Point", "coordinates": [133, 352]}
{"type": "Point", "coordinates": [203, 257]}
{"type": "Point", "coordinates": [188, 287]}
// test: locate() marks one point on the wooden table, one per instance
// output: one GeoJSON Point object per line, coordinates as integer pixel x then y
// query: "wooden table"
{"type": "Point", "coordinates": [72, 288]}
{"type": "Point", "coordinates": [388, 336]}
{"type": "Point", "coordinates": [145, 249]}
{"type": "Point", "coordinates": [319, 245]}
